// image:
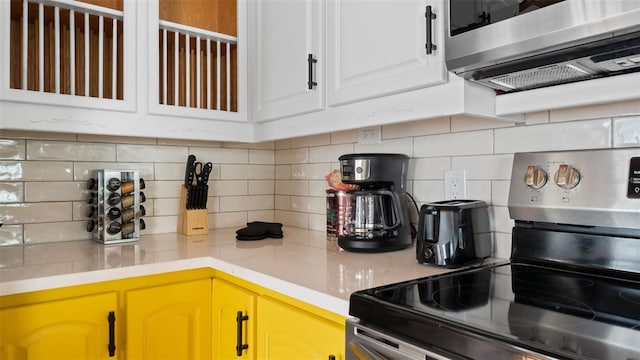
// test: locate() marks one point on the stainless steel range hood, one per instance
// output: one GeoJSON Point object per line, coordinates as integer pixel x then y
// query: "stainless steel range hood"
{"type": "Point", "coordinates": [572, 40]}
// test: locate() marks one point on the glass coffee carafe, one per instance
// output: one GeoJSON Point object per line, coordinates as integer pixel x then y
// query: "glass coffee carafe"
{"type": "Point", "coordinates": [371, 214]}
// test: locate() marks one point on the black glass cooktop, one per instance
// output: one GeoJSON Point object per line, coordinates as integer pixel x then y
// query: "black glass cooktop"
{"type": "Point", "coordinates": [554, 312]}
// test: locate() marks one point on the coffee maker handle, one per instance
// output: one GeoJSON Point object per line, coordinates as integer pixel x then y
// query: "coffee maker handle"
{"type": "Point", "coordinates": [397, 214]}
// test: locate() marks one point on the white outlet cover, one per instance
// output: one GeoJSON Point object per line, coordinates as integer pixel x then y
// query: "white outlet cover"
{"type": "Point", "coordinates": [370, 135]}
{"type": "Point", "coordinates": [455, 184]}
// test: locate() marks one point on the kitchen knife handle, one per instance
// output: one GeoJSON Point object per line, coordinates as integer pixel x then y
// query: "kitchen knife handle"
{"type": "Point", "coordinates": [188, 177]}
{"type": "Point", "coordinates": [429, 15]}
{"type": "Point", "coordinates": [239, 345]}
{"type": "Point", "coordinates": [112, 333]}
{"type": "Point", "coordinates": [310, 62]}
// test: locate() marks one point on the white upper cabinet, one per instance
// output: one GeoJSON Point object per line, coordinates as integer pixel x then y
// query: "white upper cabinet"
{"type": "Point", "coordinates": [69, 53]}
{"type": "Point", "coordinates": [154, 68]}
{"type": "Point", "coordinates": [288, 58]}
{"type": "Point", "coordinates": [377, 48]}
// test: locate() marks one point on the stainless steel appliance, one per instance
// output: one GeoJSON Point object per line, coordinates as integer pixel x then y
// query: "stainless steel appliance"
{"type": "Point", "coordinates": [376, 217]}
{"type": "Point", "coordinates": [513, 45]}
{"type": "Point", "coordinates": [571, 289]}
{"type": "Point", "coordinates": [453, 233]}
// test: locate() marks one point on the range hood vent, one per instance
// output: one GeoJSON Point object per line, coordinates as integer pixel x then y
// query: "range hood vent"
{"type": "Point", "coordinates": [608, 57]}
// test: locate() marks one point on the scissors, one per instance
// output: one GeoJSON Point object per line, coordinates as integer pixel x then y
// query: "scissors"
{"type": "Point", "coordinates": [201, 173]}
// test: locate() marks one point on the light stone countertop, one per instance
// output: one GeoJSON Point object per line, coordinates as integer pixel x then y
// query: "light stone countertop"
{"type": "Point", "coordinates": [302, 265]}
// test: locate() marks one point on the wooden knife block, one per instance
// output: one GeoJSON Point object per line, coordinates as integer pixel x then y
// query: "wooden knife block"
{"type": "Point", "coordinates": [191, 222]}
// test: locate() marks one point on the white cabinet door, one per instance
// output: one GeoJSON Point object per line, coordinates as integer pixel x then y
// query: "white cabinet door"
{"type": "Point", "coordinates": [285, 33]}
{"type": "Point", "coordinates": [377, 48]}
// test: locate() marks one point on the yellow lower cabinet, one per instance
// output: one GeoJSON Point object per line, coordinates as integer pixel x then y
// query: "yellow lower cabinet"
{"type": "Point", "coordinates": [234, 319]}
{"type": "Point", "coordinates": [286, 332]}
{"type": "Point", "coordinates": [169, 321]}
{"type": "Point", "coordinates": [75, 328]}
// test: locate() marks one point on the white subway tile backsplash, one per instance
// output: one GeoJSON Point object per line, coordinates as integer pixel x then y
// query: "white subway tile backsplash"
{"type": "Point", "coordinates": [161, 224]}
{"type": "Point", "coordinates": [311, 140]}
{"type": "Point", "coordinates": [12, 149]}
{"type": "Point", "coordinates": [228, 219]}
{"type": "Point", "coordinates": [292, 156]}
{"type": "Point", "coordinates": [163, 189]}
{"type": "Point", "coordinates": [293, 218]}
{"type": "Point", "coordinates": [261, 187]}
{"type": "Point", "coordinates": [318, 188]}
{"type": "Point", "coordinates": [219, 155]}
{"type": "Point", "coordinates": [479, 190]}
{"type": "Point", "coordinates": [566, 136]}
{"type": "Point", "coordinates": [282, 202]}
{"type": "Point", "coordinates": [228, 187]}
{"type": "Point", "coordinates": [500, 192]}
{"type": "Point", "coordinates": [428, 190]}
{"type": "Point", "coordinates": [283, 172]}
{"type": "Point", "coordinates": [10, 235]}
{"type": "Point", "coordinates": [626, 131]}
{"type": "Point", "coordinates": [86, 170]}
{"type": "Point", "coordinates": [344, 137]}
{"type": "Point", "coordinates": [23, 213]}
{"type": "Point", "coordinates": [428, 168]}
{"type": "Point", "coordinates": [484, 167]}
{"type": "Point", "coordinates": [11, 192]}
{"type": "Point", "coordinates": [168, 206]}
{"type": "Point", "coordinates": [146, 153]}
{"type": "Point", "coordinates": [309, 171]}
{"type": "Point", "coordinates": [169, 171]}
{"type": "Point", "coordinates": [329, 153]}
{"type": "Point", "coordinates": [501, 220]}
{"type": "Point", "coordinates": [455, 144]}
{"type": "Point", "coordinates": [116, 139]}
{"type": "Point", "coordinates": [292, 187]}
{"type": "Point", "coordinates": [261, 215]}
{"type": "Point", "coordinates": [36, 170]}
{"type": "Point", "coordinates": [309, 204]}
{"type": "Point", "coordinates": [55, 232]}
{"type": "Point", "coordinates": [249, 172]}
{"type": "Point", "coordinates": [70, 151]}
{"type": "Point", "coordinates": [246, 203]}
{"type": "Point", "coordinates": [262, 157]}
{"type": "Point", "coordinates": [396, 146]}
{"type": "Point", "coordinates": [42, 191]}
{"type": "Point", "coordinates": [318, 222]}
{"type": "Point", "coordinates": [501, 245]}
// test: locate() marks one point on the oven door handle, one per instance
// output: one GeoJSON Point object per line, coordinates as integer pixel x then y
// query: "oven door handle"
{"type": "Point", "coordinates": [363, 353]}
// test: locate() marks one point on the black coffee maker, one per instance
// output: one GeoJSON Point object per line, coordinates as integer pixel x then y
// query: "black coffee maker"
{"type": "Point", "coordinates": [375, 217]}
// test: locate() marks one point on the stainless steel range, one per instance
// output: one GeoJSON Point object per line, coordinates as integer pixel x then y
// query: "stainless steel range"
{"type": "Point", "coordinates": [571, 289]}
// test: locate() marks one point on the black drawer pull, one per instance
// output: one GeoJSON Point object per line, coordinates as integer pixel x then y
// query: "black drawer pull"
{"type": "Point", "coordinates": [239, 345]}
{"type": "Point", "coordinates": [112, 333]}
{"type": "Point", "coordinates": [310, 62]}
{"type": "Point", "coordinates": [429, 15]}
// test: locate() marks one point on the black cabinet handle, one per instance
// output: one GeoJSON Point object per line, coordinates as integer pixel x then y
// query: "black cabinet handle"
{"type": "Point", "coordinates": [310, 62]}
{"type": "Point", "coordinates": [332, 357]}
{"type": "Point", "coordinates": [239, 345]}
{"type": "Point", "coordinates": [429, 15]}
{"type": "Point", "coordinates": [112, 334]}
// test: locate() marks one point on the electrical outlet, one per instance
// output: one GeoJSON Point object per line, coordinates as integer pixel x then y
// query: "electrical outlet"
{"type": "Point", "coordinates": [455, 184]}
{"type": "Point", "coordinates": [370, 135]}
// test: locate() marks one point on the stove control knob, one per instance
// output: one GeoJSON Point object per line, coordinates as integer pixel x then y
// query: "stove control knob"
{"type": "Point", "coordinates": [567, 177]}
{"type": "Point", "coordinates": [535, 177]}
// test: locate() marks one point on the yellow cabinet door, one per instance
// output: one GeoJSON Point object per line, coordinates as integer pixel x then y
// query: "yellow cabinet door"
{"type": "Point", "coordinates": [169, 322]}
{"type": "Point", "coordinates": [76, 328]}
{"type": "Point", "coordinates": [233, 321]}
{"type": "Point", "coordinates": [285, 332]}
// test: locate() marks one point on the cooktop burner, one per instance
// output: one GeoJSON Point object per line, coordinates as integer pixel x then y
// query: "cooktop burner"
{"type": "Point", "coordinates": [568, 314]}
